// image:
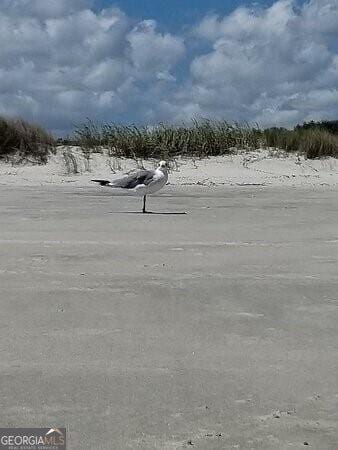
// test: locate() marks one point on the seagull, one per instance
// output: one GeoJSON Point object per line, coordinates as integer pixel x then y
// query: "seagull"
{"type": "Point", "coordinates": [142, 182]}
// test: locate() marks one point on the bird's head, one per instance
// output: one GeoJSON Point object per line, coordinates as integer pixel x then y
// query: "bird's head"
{"type": "Point", "coordinates": [163, 165]}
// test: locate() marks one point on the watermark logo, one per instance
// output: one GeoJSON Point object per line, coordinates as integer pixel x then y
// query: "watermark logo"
{"type": "Point", "coordinates": [32, 438]}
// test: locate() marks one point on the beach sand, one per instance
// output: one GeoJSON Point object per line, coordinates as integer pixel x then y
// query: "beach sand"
{"type": "Point", "coordinates": [263, 167]}
{"type": "Point", "coordinates": [216, 329]}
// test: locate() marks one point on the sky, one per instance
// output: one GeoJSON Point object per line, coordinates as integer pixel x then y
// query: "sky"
{"type": "Point", "coordinates": [174, 15]}
{"type": "Point", "coordinates": [274, 63]}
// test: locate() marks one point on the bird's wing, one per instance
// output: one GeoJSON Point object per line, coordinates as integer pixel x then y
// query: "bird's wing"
{"type": "Point", "coordinates": [131, 181]}
{"type": "Point", "coordinates": [102, 182]}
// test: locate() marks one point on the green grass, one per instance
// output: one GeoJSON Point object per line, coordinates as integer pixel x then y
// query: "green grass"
{"type": "Point", "coordinates": [198, 139]}
{"type": "Point", "coordinates": [201, 139]}
{"type": "Point", "coordinates": [25, 141]}
{"type": "Point", "coordinates": [312, 143]}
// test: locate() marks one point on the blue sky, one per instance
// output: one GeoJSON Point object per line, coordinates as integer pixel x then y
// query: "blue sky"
{"type": "Point", "coordinates": [174, 14]}
{"type": "Point", "coordinates": [273, 62]}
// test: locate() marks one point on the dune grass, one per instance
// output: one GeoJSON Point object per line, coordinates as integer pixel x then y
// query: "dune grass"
{"type": "Point", "coordinates": [24, 141]}
{"type": "Point", "coordinates": [200, 139]}
{"type": "Point", "coordinates": [311, 142]}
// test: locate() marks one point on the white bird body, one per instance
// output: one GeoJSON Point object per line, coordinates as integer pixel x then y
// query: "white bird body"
{"type": "Point", "coordinates": [142, 182]}
{"type": "Point", "coordinates": [160, 179]}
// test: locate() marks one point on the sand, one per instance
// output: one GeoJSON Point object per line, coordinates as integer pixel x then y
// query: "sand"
{"type": "Point", "coordinates": [267, 168]}
{"type": "Point", "coordinates": [211, 330]}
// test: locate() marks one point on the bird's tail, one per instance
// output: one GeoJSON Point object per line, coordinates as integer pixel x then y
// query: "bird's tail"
{"type": "Point", "coordinates": [102, 182]}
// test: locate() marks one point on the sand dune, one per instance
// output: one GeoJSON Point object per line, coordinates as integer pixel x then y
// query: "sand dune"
{"type": "Point", "coordinates": [262, 167]}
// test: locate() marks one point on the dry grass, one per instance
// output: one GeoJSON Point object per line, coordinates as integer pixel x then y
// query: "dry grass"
{"type": "Point", "coordinates": [201, 139]}
{"type": "Point", "coordinates": [313, 143]}
{"type": "Point", "coordinates": [24, 141]}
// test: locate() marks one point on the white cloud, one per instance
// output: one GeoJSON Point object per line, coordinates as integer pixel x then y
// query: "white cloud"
{"type": "Point", "coordinates": [270, 65]}
{"type": "Point", "coordinates": [44, 9]}
{"type": "Point", "coordinates": [63, 62]}
{"type": "Point", "coordinates": [153, 52]}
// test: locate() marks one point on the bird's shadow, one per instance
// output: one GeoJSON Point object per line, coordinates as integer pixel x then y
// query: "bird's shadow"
{"type": "Point", "coordinates": [167, 213]}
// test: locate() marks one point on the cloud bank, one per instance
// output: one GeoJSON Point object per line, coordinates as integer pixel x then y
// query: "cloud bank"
{"type": "Point", "coordinates": [62, 62]}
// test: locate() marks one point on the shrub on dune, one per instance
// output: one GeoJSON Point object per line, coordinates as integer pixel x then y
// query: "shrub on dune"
{"type": "Point", "coordinates": [313, 143]}
{"type": "Point", "coordinates": [24, 140]}
{"type": "Point", "coordinates": [200, 139]}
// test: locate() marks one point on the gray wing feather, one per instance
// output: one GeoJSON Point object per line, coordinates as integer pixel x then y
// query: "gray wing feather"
{"type": "Point", "coordinates": [131, 181]}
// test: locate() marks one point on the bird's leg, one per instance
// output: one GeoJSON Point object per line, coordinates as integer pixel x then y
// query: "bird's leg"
{"type": "Point", "coordinates": [144, 204]}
